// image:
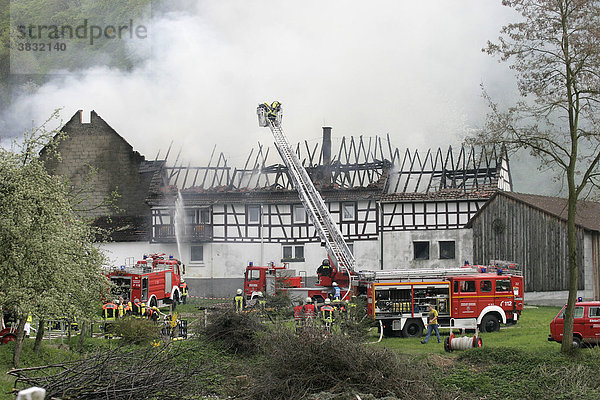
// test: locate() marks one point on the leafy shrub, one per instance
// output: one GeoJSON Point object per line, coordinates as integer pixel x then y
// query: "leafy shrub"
{"type": "Point", "coordinates": [135, 330]}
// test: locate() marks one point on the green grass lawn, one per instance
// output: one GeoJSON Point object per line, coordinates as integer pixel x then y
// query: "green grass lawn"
{"type": "Point", "coordinates": [530, 333]}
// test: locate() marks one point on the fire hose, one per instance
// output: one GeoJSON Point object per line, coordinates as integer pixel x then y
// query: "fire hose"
{"type": "Point", "coordinates": [452, 343]}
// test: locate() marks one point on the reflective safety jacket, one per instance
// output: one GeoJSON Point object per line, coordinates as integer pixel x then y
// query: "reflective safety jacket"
{"type": "Point", "coordinates": [327, 313]}
{"type": "Point", "coordinates": [239, 302]}
{"type": "Point", "coordinates": [110, 311]}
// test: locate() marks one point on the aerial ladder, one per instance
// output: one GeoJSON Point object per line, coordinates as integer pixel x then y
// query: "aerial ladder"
{"type": "Point", "coordinates": [270, 115]}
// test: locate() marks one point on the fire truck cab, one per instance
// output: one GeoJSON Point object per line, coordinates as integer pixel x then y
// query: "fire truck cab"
{"type": "Point", "coordinates": [463, 298]}
{"type": "Point", "coordinates": [267, 279]}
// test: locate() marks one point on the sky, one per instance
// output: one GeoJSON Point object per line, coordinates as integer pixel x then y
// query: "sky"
{"type": "Point", "coordinates": [409, 69]}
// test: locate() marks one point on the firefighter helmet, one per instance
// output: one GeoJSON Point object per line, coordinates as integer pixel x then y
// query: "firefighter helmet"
{"type": "Point", "coordinates": [308, 300]}
{"type": "Point", "coordinates": [327, 300]}
{"type": "Point", "coordinates": [239, 291]}
{"type": "Point", "coordinates": [325, 262]}
{"type": "Point", "coordinates": [334, 284]}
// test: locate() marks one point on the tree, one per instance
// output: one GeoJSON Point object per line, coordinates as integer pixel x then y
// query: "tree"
{"type": "Point", "coordinates": [555, 51]}
{"type": "Point", "coordinates": [48, 262]}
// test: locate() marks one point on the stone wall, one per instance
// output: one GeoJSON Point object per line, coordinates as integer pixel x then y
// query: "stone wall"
{"type": "Point", "coordinates": [95, 145]}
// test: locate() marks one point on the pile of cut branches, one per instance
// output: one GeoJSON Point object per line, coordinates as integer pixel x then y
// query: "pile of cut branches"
{"type": "Point", "coordinates": [137, 373]}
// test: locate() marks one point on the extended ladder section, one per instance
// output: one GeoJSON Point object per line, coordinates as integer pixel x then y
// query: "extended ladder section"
{"type": "Point", "coordinates": [311, 199]}
{"type": "Point", "coordinates": [434, 273]}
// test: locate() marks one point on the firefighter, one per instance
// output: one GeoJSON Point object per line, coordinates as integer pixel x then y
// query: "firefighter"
{"type": "Point", "coordinates": [324, 269]}
{"type": "Point", "coordinates": [121, 309]}
{"type": "Point", "coordinates": [109, 311]}
{"type": "Point", "coordinates": [327, 315]}
{"type": "Point", "coordinates": [299, 316]}
{"type": "Point", "coordinates": [239, 301]}
{"type": "Point", "coordinates": [273, 109]}
{"type": "Point", "coordinates": [309, 312]}
{"type": "Point", "coordinates": [137, 306]}
{"type": "Point", "coordinates": [184, 291]}
{"type": "Point", "coordinates": [27, 327]}
{"type": "Point", "coordinates": [142, 308]}
{"type": "Point", "coordinates": [337, 293]}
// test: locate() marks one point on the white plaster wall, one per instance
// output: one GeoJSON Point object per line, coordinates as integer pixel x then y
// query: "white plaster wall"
{"type": "Point", "coordinates": [117, 252]}
{"type": "Point", "coordinates": [367, 254]}
{"type": "Point", "coordinates": [398, 252]}
{"type": "Point", "coordinates": [588, 272]}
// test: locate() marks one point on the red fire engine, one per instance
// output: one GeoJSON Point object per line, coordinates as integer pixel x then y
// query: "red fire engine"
{"type": "Point", "coordinates": [155, 280]}
{"type": "Point", "coordinates": [271, 278]}
{"type": "Point", "coordinates": [467, 298]}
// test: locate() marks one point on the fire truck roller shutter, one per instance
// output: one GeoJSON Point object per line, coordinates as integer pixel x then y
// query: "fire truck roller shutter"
{"type": "Point", "coordinates": [490, 318]}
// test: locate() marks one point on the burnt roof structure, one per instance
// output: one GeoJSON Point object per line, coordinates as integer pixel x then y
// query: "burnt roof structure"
{"type": "Point", "coordinates": [359, 167]}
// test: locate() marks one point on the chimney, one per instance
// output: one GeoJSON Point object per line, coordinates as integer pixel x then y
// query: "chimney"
{"type": "Point", "coordinates": [326, 148]}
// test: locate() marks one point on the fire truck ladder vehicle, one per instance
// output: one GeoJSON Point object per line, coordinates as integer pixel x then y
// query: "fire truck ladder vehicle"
{"type": "Point", "coordinates": [329, 233]}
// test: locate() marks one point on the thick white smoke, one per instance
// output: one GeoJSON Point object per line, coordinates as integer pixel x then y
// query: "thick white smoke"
{"type": "Point", "coordinates": [410, 69]}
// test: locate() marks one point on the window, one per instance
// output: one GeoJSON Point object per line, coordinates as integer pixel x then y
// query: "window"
{"type": "Point", "coordinates": [578, 313]}
{"type": "Point", "coordinates": [447, 250]}
{"type": "Point", "coordinates": [197, 253]}
{"type": "Point", "coordinates": [293, 253]}
{"type": "Point", "coordinates": [197, 216]}
{"type": "Point", "coordinates": [204, 215]}
{"type": "Point", "coordinates": [254, 275]}
{"type": "Point", "coordinates": [299, 214]}
{"type": "Point", "coordinates": [351, 247]}
{"type": "Point", "coordinates": [299, 251]}
{"type": "Point", "coordinates": [348, 211]}
{"type": "Point", "coordinates": [467, 286]}
{"type": "Point", "coordinates": [503, 285]}
{"type": "Point", "coordinates": [421, 250]}
{"type": "Point", "coordinates": [594, 312]}
{"type": "Point", "coordinates": [253, 214]}
{"type": "Point", "coordinates": [485, 286]}
{"type": "Point", "coordinates": [455, 286]}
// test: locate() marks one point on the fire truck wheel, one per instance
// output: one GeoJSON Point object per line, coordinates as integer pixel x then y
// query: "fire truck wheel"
{"type": "Point", "coordinates": [9, 337]}
{"type": "Point", "coordinates": [490, 323]}
{"type": "Point", "coordinates": [412, 328]}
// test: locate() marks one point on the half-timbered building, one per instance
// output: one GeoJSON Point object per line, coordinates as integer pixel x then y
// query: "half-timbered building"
{"type": "Point", "coordinates": [395, 209]}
